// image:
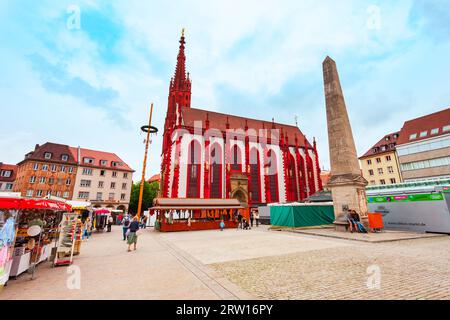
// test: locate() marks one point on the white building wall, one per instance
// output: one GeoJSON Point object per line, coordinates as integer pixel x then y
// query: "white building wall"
{"type": "Point", "coordinates": [94, 188]}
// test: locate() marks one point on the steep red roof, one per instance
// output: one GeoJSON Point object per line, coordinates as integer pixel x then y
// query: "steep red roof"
{"type": "Point", "coordinates": [56, 150]}
{"type": "Point", "coordinates": [387, 143]}
{"type": "Point", "coordinates": [219, 121]}
{"type": "Point", "coordinates": [8, 167]}
{"type": "Point", "coordinates": [437, 120]}
{"type": "Point", "coordinates": [155, 177]}
{"type": "Point", "coordinates": [97, 157]}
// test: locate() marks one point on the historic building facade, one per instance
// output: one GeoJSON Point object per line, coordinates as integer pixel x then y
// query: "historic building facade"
{"type": "Point", "coordinates": [380, 165]}
{"type": "Point", "coordinates": [48, 170]}
{"type": "Point", "coordinates": [213, 155]}
{"type": "Point", "coordinates": [75, 173]}
{"type": "Point", "coordinates": [423, 147]}
{"type": "Point", "coordinates": [102, 178]}
{"type": "Point", "coordinates": [8, 174]}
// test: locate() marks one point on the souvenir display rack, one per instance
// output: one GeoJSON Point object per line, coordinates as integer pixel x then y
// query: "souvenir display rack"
{"type": "Point", "coordinates": [69, 231]}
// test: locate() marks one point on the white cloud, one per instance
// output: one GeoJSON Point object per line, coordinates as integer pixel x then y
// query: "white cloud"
{"type": "Point", "coordinates": [253, 48]}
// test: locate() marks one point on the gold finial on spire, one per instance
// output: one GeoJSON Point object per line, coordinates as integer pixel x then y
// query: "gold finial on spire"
{"type": "Point", "coordinates": [182, 32]}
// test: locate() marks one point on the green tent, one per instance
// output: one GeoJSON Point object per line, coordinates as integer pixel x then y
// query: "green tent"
{"type": "Point", "coordinates": [301, 215]}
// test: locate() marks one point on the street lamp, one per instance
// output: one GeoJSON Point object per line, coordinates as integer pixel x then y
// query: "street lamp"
{"type": "Point", "coordinates": [149, 129]}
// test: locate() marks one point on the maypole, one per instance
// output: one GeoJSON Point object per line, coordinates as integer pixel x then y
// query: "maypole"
{"type": "Point", "coordinates": [149, 129]}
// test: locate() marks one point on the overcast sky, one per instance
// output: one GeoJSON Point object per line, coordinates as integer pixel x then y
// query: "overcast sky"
{"type": "Point", "coordinates": [90, 81]}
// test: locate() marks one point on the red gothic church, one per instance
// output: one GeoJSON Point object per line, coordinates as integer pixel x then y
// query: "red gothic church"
{"type": "Point", "coordinates": [207, 154]}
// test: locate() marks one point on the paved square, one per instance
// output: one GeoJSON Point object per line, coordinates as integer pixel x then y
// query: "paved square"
{"type": "Point", "coordinates": [245, 264]}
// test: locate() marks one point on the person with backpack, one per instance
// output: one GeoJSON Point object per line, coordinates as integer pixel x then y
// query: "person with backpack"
{"type": "Point", "coordinates": [132, 234]}
{"type": "Point", "coordinates": [125, 225]}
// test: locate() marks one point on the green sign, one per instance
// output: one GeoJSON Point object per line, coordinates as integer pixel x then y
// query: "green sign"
{"type": "Point", "coordinates": [407, 198]}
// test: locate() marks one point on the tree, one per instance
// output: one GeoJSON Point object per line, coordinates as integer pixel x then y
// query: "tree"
{"type": "Point", "coordinates": [150, 193]}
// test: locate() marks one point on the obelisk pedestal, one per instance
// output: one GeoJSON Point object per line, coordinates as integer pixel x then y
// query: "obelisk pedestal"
{"type": "Point", "coordinates": [346, 182]}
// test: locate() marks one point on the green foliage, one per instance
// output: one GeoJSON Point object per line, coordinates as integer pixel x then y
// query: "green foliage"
{"type": "Point", "coordinates": [150, 192]}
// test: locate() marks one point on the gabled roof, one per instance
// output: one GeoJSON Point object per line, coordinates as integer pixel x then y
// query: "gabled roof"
{"type": "Point", "coordinates": [155, 177]}
{"type": "Point", "coordinates": [437, 120]}
{"type": "Point", "coordinates": [8, 167]}
{"type": "Point", "coordinates": [219, 121]}
{"type": "Point", "coordinates": [56, 150]}
{"type": "Point", "coordinates": [387, 141]}
{"type": "Point", "coordinates": [98, 156]}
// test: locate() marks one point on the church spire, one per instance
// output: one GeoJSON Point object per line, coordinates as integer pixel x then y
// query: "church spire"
{"type": "Point", "coordinates": [179, 80]}
{"type": "Point", "coordinates": [180, 84]}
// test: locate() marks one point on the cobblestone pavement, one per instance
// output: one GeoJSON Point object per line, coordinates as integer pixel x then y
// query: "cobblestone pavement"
{"type": "Point", "coordinates": [108, 271]}
{"type": "Point", "coordinates": [410, 269]}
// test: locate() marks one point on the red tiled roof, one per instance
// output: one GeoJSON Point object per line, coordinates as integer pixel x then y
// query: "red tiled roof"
{"type": "Point", "coordinates": [386, 141]}
{"type": "Point", "coordinates": [97, 156]}
{"type": "Point", "coordinates": [57, 150]}
{"type": "Point", "coordinates": [8, 167]}
{"type": "Point", "coordinates": [219, 121]}
{"type": "Point", "coordinates": [436, 120]}
{"type": "Point", "coordinates": [155, 177]}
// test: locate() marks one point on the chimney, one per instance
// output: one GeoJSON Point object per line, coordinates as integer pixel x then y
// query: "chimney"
{"type": "Point", "coordinates": [36, 147]}
{"type": "Point", "coordinates": [79, 155]}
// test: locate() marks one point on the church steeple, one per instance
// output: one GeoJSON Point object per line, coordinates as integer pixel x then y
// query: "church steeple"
{"type": "Point", "coordinates": [181, 81]}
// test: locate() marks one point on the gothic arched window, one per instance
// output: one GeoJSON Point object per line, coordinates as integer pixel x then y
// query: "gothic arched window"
{"type": "Point", "coordinates": [272, 173]}
{"type": "Point", "coordinates": [236, 160]}
{"type": "Point", "coordinates": [216, 171]}
{"type": "Point", "coordinates": [193, 170]}
{"type": "Point", "coordinates": [255, 176]}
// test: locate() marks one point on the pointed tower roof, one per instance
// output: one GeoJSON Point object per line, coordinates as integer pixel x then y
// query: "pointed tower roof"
{"type": "Point", "coordinates": [180, 81]}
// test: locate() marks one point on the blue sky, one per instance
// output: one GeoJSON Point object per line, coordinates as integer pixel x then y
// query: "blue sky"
{"type": "Point", "coordinates": [92, 86]}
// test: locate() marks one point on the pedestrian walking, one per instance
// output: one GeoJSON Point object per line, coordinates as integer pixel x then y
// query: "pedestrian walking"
{"type": "Point", "coordinates": [252, 218]}
{"type": "Point", "coordinates": [132, 233]}
{"type": "Point", "coordinates": [125, 225]}
{"type": "Point", "coordinates": [110, 223]}
{"type": "Point", "coordinates": [144, 222]}
{"type": "Point", "coordinates": [119, 219]}
{"type": "Point", "coordinates": [239, 218]}
{"type": "Point", "coordinates": [87, 229]}
{"type": "Point", "coordinates": [257, 217]}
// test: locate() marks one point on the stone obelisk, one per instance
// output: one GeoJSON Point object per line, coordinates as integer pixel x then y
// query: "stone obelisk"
{"type": "Point", "coordinates": [346, 182]}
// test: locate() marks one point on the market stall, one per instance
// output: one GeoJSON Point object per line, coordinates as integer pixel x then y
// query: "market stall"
{"type": "Point", "coordinates": [297, 215]}
{"type": "Point", "coordinates": [195, 214]}
{"type": "Point", "coordinates": [27, 230]}
{"type": "Point", "coordinates": [101, 218]}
